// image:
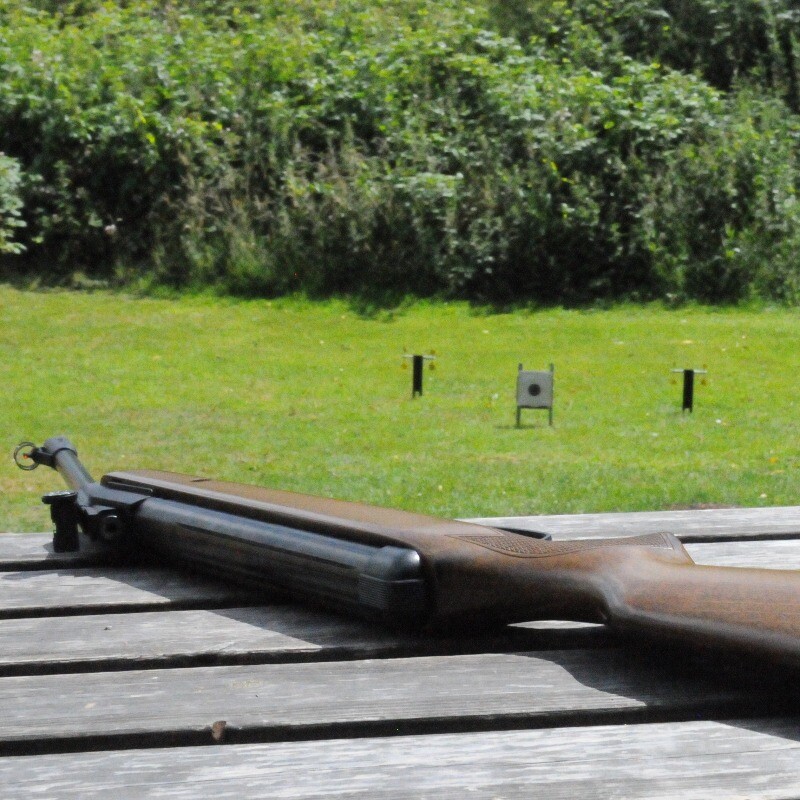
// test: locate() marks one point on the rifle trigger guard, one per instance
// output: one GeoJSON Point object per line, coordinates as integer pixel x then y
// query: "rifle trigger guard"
{"type": "Point", "coordinates": [23, 458]}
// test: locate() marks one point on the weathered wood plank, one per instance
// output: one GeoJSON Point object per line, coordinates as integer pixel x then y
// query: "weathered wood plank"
{"type": "Point", "coordinates": [34, 639]}
{"type": "Point", "coordinates": [713, 524]}
{"type": "Point", "coordinates": [329, 699]}
{"type": "Point", "coordinates": [70, 591]}
{"type": "Point", "coordinates": [29, 550]}
{"type": "Point", "coordinates": [783, 554]}
{"type": "Point", "coordinates": [268, 634]}
{"type": "Point", "coordinates": [689, 760]}
{"type": "Point", "coordinates": [100, 641]}
{"type": "Point", "coordinates": [694, 525]}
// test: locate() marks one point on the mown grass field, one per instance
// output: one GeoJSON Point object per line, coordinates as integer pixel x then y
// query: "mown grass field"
{"type": "Point", "coordinates": [313, 397]}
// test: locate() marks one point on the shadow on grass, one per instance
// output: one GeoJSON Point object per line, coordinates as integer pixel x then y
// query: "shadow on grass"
{"type": "Point", "coordinates": [374, 303]}
{"type": "Point", "coordinates": [524, 426]}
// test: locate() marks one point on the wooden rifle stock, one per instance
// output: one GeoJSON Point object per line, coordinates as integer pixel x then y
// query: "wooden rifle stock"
{"type": "Point", "coordinates": [416, 570]}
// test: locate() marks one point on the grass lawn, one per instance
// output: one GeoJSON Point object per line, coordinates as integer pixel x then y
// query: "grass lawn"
{"type": "Point", "coordinates": [313, 397]}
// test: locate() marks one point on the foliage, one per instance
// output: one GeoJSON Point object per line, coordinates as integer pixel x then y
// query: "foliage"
{"type": "Point", "coordinates": [725, 41]}
{"type": "Point", "coordinates": [10, 205]}
{"type": "Point", "coordinates": [385, 147]}
{"type": "Point", "coordinates": [737, 229]}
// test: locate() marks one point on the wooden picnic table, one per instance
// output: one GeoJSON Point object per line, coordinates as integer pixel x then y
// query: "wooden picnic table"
{"type": "Point", "coordinates": [137, 682]}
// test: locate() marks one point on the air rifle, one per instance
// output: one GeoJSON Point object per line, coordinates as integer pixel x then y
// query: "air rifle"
{"type": "Point", "coordinates": [412, 570]}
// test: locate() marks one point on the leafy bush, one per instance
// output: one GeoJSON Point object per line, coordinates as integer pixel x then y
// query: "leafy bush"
{"type": "Point", "coordinates": [725, 41]}
{"type": "Point", "coordinates": [725, 218]}
{"type": "Point", "coordinates": [386, 147]}
{"type": "Point", "coordinates": [10, 205]}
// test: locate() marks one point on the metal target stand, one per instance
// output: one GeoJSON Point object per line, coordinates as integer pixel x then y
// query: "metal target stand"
{"type": "Point", "coordinates": [688, 387]}
{"type": "Point", "coordinates": [535, 390]}
{"type": "Point", "coordinates": [417, 364]}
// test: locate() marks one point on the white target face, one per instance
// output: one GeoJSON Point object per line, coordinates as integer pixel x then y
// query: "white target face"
{"type": "Point", "coordinates": [534, 389]}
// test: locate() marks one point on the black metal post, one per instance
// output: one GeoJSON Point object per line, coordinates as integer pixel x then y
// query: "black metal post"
{"type": "Point", "coordinates": [688, 390]}
{"type": "Point", "coordinates": [416, 385]}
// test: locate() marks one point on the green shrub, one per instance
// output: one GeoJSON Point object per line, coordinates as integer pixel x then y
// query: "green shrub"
{"type": "Point", "coordinates": [725, 41]}
{"type": "Point", "coordinates": [387, 147]}
{"type": "Point", "coordinates": [724, 218]}
{"type": "Point", "coordinates": [10, 205]}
